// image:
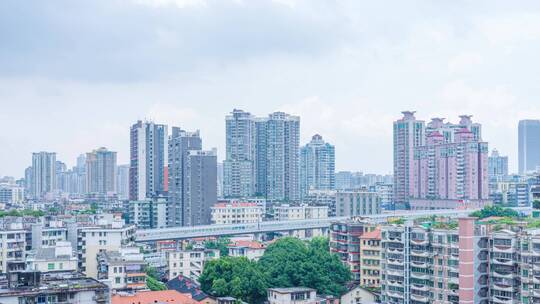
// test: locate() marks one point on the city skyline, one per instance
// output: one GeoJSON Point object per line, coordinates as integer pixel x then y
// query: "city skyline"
{"type": "Point", "coordinates": [347, 73]}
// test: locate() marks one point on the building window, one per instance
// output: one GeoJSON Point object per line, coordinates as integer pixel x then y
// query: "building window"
{"type": "Point", "coordinates": [50, 266]}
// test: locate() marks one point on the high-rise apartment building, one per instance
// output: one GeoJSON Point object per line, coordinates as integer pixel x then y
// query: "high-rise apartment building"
{"type": "Point", "coordinates": [498, 165]}
{"type": "Point", "coordinates": [452, 164]}
{"type": "Point", "coordinates": [239, 166]}
{"type": "Point", "coordinates": [122, 181]}
{"type": "Point", "coordinates": [409, 133]}
{"type": "Point", "coordinates": [43, 174]}
{"type": "Point", "coordinates": [317, 166]}
{"type": "Point", "coordinates": [528, 145]}
{"type": "Point", "coordinates": [101, 171]}
{"type": "Point", "coordinates": [192, 180]}
{"type": "Point", "coordinates": [201, 186]}
{"type": "Point", "coordinates": [282, 155]}
{"type": "Point", "coordinates": [148, 158]}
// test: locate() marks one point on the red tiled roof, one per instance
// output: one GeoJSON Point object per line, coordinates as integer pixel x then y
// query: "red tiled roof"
{"type": "Point", "coordinates": [375, 234]}
{"type": "Point", "coordinates": [152, 297]}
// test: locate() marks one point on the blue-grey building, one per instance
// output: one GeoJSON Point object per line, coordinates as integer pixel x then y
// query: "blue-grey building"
{"type": "Point", "coordinates": [317, 166]}
{"type": "Point", "coordinates": [239, 167]}
{"type": "Point", "coordinates": [148, 159]}
{"type": "Point", "coordinates": [192, 180]}
{"type": "Point", "coordinates": [528, 145]}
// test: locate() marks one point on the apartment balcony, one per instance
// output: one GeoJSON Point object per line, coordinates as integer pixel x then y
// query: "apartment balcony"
{"type": "Point", "coordinates": [394, 272]}
{"type": "Point", "coordinates": [453, 280]}
{"type": "Point", "coordinates": [420, 298]}
{"type": "Point", "coordinates": [505, 285]}
{"type": "Point", "coordinates": [394, 239]}
{"type": "Point", "coordinates": [500, 261]}
{"type": "Point", "coordinates": [420, 253]}
{"type": "Point", "coordinates": [419, 287]}
{"type": "Point", "coordinates": [394, 283]}
{"type": "Point", "coordinates": [394, 262]}
{"type": "Point", "coordinates": [504, 275]}
{"type": "Point", "coordinates": [502, 300]}
{"type": "Point", "coordinates": [503, 248]}
{"type": "Point", "coordinates": [421, 276]}
{"type": "Point", "coordinates": [420, 264]}
{"type": "Point", "coordinates": [394, 294]}
{"type": "Point", "coordinates": [395, 250]}
{"type": "Point", "coordinates": [419, 241]}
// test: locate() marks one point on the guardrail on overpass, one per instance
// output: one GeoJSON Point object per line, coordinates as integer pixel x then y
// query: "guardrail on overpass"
{"type": "Point", "coordinates": [179, 233]}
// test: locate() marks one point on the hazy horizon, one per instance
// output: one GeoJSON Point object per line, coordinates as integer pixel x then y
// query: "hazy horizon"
{"type": "Point", "coordinates": [74, 76]}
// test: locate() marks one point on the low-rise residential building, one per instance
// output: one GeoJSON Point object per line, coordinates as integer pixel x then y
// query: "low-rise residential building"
{"type": "Point", "coordinates": [346, 241]}
{"type": "Point", "coordinates": [49, 233]}
{"type": "Point", "coordinates": [370, 258]}
{"type": "Point", "coordinates": [252, 250]}
{"type": "Point", "coordinates": [236, 212]}
{"type": "Point", "coordinates": [357, 295]}
{"type": "Point", "coordinates": [123, 269]}
{"type": "Point", "coordinates": [13, 242]}
{"type": "Point", "coordinates": [188, 263]}
{"type": "Point", "coordinates": [58, 258]}
{"type": "Point", "coordinates": [53, 287]}
{"type": "Point", "coordinates": [287, 212]}
{"type": "Point", "coordinates": [292, 295]}
{"type": "Point", "coordinates": [106, 235]}
{"type": "Point", "coordinates": [357, 203]}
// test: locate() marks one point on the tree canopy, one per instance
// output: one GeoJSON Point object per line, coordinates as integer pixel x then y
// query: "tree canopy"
{"type": "Point", "coordinates": [234, 276]}
{"type": "Point", "coordinates": [288, 262]}
{"type": "Point", "coordinates": [494, 211]}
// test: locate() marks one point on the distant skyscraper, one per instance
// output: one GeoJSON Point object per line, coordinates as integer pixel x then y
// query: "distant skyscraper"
{"type": "Point", "coordinates": [148, 158]}
{"type": "Point", "coordinates": [239, 167]}
{"type": "Point", "coordinates": [220, 180]}
{"type": "Point", "coordinates": [28, 183]}
{"type": "Point", "coordinates": [498, 165]}
{"type": "Point", "coordinates": [408, 134]}
{"type": "Point", "coordinates": [192, 180]}
{"type": "Point", "coordinates": [122, 181]}
{"type": "Point", "coordinates": [101, 171]}
{"type": "Point", "coordinates": [281, 154]}
{"type": "Point", "coordinates": [528, 145]}
{"type": "Point", "coordinates": [317, 166]}
{"type": "Point", "coordinates": [43, 174]}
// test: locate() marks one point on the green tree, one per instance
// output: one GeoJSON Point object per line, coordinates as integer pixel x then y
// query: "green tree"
{"type": "Point", "coordinates": [234, 276]}
{"type": "Point", "coordinates": [221, 244]}
{"type": "Point", "coordinates": [494, 211]}
{"type": "Point", "coordinates": [289, 262]}
{"type": "Point", "coordinates": [154, 284]}
{"type": "Point", "coordinates": [152, 280]}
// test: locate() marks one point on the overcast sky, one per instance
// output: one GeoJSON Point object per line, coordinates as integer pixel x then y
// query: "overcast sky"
{"type": "Point", "coordinates": [74, 75]}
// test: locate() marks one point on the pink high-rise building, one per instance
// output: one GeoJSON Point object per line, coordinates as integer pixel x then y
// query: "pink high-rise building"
{"type": "Point", "coordinates": [453, 164]}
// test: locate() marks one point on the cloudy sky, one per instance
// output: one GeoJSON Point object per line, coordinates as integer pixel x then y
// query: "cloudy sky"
{"type": "Point", "coordinates": [75, 74]}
